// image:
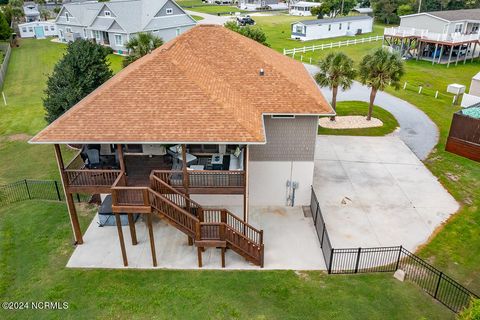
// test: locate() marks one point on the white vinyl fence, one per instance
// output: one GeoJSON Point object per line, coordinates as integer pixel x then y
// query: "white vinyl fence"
{"type": "Point", "coordinates": [331, 45]}
{"type": "Point", "coordinates": [3, 68]}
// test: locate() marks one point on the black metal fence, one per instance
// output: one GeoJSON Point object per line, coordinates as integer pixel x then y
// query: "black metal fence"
{"type": "Point", "coordinates": [390, 259]}
{"type": "Point", "coordinates": [35, 189]}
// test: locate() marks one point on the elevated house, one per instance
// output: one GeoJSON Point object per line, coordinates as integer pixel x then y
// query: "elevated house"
{"type": "Point", "coordinates": [31, 12]}
{"type": "Point", "coordinates": [210, 118]}
{"type": "Point", "coordinates": [113, 23]}
{"type": "Point", "coordinates": [440, 37]}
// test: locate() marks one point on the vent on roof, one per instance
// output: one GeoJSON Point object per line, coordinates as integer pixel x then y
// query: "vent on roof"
{"type": "Point", "coordinates": [262, 72]}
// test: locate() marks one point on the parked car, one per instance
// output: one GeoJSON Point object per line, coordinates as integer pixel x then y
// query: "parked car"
{"type": "Point", "coordinates": [245, 20]}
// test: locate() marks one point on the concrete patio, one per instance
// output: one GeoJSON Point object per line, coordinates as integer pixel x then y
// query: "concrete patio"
{"type": "Point", "coordinates": [290, 243]}
{"type": "Point", "coordinates": [373, 191]}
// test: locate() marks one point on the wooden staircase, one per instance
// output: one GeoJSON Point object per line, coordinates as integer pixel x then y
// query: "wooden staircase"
{"type": "Point", "coordinates": [218, 228]}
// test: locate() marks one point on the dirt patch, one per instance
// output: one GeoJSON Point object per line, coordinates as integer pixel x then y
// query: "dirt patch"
{"type": "Point", "coordinates": [302, 275]}
{"type": "Point", "coordinates": [18, 137]}
{"type": "Point", "coordinates": [452, 176]}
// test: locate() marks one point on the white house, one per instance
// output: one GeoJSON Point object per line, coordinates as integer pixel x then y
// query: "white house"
{"type": "Point", "coordinates": [38, 29]}
{"type": "Point", "coordinates": [302, 8]}
{"type": "Point", "coordinates": [330, 28]}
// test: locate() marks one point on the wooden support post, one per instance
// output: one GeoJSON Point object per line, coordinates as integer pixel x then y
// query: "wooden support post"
{"type": "Point", "coordinates": [466, 52]}
{"type": "Point", "coordinates": [473, 52]}
{"type": "Point", "coordinates": [458, 55]}
{"type": "Point", "coordinates": [419, 49]}
{"type": "Point", "coordinates": [186, 182]}
{"type": "Point", "coordinates": [118, 222]}
{"type": "Point", "coordinates": [449, 57]}
{"type": "Point", "coordinates": [246, 190]}
{"type": "Point", "coordinates": [77, 232]}
{"type": "Point", "coordinates": [190, 241]}
{"type": "Point", "coordinates": [223, 257]}
{"type": "Point", "coordinates": [133, 233]}
{"type": "Point", "coordinates": [434, 53]}
{"type": "Point", "coordinates": [440, 55]}
{"type": "Point", "coordinates": [199, 254]}
{"type": "Point", "coordinates": [152, 238]}
{"type": "Point", "coordinates": [121, 160]}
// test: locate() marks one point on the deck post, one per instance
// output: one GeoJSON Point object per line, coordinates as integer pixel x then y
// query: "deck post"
{"type": "Point", "coordinates": [419, 49]}
{"type": "Point", "coordinates": [245, 192]}
{"type": "Point", "coordinates": [473, 52]}
{"type": "Point", "coordinates": [152, 238]}
{"type": "Point", "coordinates": [450, 56]}
{"type": "Point", "coordinates": [118, 222]}
{"type": "Point", "coordinates": [440, 55]}
{"type": "Point", "coordinates": [186, 182]}
{"type": "Point", "coordinates": [77, 232]}
{"type": "Point", "coordinates": [458, 55]}
{"type": "Point", "coordinates": [133, 233]}
{"type": "Point", "coordinates": [434, 53]}
{"type": "Point", "coordinates": [121, 160]}
{"type": "Point", "coordinates": [469, 45]}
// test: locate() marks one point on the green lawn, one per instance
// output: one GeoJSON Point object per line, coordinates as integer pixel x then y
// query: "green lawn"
{"type": "Point", "coordinates": [187, 3]}
{"type": "Point", "coordinates": [23, 115]}
{"type": "Point", "coordinates": [277, 29]}
{"type": "Point", "coordinates": [36, 250]}
{"type": "Point", "coordinates": [354, 108]}
{"type": "Point", "coordinates": [197, 18]}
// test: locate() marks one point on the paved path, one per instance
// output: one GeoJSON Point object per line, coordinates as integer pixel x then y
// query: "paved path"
{"type": "Point", "coordinates": [209, 18]}
{"type": "Point", "coordinates": [418, 132]}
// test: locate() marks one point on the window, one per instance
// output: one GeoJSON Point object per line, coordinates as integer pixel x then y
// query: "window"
{"type": "Point", "coordinates": [24, 29]}
{"type": "Point", "coordinates": [85, 33]}
{"type": "Point", "coordinates": [348, 25]}
{"type": "Point", "coordinates": [118, 40]}
{"type": "Point", "coordinates": [177, 31]}
{"type": "Point", "coordinates": [169, 11]}
{"type": "Point", "coordinates": [30, 29]}
{"type": "Point", "coordinates": [52, 28]}
{"type": "Point", "coordinates": [299, 29]}
{"type": "Point", "coordinates": [60, 32]}
{"type": "Point", "coordinates": [67, 16]}
{"type": "Point", "coordinates": [458, 27]}
{"type": "Point", "coordinates": [340, 26]}
{"type": "Point", "coordinates": [46, 28]}
{"type": "Point", "coordinates": [283, 116]}
{"type": "Point", "coordinates": [329, 27]}
{"type": "Point", "coordinates": [107, 13]}
{"type": "Point", "coordinates": [96, 34]}
{"type": "Point", "coordinates": [68, 29]}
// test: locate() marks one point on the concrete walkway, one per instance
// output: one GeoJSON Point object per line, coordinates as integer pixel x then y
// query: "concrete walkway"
{"type": "Point", "coordinates": [373, 191]}
{"type": "Point", "coordinates": [418, 132]}
{"type": "Point", "coordinates": [209, 18]}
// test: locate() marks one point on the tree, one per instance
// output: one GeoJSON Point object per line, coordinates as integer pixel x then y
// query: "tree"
{"type": "Point", "coordinates": [472, 312]}
{"type": "Point", "coordinates": [5, 30]}
{"type": "Point", "coordinates": [44, 14]}
{"type": "Point", "coordinates": [141, 45]}
{"type": "Point", "coordinates": [82, 69]}
{"type": "Point", "coordinates": [333, 8]}
{"type": "Point", "coordinates": [336, 70]}
{"type": "Point", "coordinates": [404, 9]}
{"type": "Point", "coordinates": [385, 10]}
{"type": "Point", "coordinates": [253, 33]}
{"type": "Point", "coordinates": [317, 11]}
{"type": "Point", "coordinates": [378, 70]}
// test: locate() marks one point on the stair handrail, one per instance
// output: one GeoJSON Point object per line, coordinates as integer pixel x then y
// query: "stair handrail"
{"type": "Point", "coordinates": [172, 189]}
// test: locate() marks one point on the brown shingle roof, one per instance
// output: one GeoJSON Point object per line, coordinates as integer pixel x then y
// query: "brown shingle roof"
{"type": "Point", "coordinates": [203, 86]}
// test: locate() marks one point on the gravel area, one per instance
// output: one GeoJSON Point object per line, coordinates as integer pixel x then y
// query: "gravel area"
{"type": "Point", "coordinates": [349, 122]}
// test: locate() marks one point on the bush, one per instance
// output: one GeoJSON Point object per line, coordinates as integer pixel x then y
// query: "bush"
{"type": "Point", "coordinates": [254, 33]}
{"type": "Point", "coordinates": [472, 312]}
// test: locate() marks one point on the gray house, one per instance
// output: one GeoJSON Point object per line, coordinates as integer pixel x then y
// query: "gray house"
{"type": "Point", "coordinates": [31, 12]}
{"type": "Point", "coordinates": [113, 23]}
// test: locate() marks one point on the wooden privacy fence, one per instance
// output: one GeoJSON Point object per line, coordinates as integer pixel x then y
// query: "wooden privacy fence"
{"type": "Point", "coordinates": [34, 189]}
{"type": "Point", "coordinates": [390, 259]}
{"type": "Point", "coordinates": [331, 45]}
{"type": "Point", "coordinates": [3, 68]}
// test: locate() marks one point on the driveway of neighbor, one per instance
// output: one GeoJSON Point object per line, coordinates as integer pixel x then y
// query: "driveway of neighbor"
{"type": "Point", "coordinates": [290, 242]}
{"type": "Point", "coordinates": [209, 18]}
{"type": "Point", "coordinates": [373, 191]}
{"type": "Point", "coordinates": [416, 128]}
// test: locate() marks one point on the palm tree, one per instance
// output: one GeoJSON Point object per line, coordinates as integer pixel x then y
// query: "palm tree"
{"type": "Point", "coordinates": [378, 70]}
{"type": "Point", "coordinates": [336, 70]}
{"type": "Point", "coordinates": [141, 45]}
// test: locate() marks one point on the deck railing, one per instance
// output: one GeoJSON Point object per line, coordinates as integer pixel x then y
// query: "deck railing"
{"type": "Point", "coordinates": [91, 177]}
{"type": "Point", "coordinates": [204, 178]}
{"type": "Point", "coordinates": [454, 37]}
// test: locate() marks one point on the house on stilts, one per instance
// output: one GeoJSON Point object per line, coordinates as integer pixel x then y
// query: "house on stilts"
{"type": "Point", "coordinates": [442, 37]}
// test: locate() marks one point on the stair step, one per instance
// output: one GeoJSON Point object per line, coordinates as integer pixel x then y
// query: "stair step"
{"type": "Point", "coordinates": [211, 243]}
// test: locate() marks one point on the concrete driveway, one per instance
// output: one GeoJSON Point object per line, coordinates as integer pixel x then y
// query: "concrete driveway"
{"type": "Point", "coordinates": [210, 18]}
{"type": "Point", "coordinates": [373, 191]}
{"type": "Point", "coordinates": [416, 128]}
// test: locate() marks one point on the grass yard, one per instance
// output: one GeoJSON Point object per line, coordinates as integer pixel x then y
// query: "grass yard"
{"type": "Point", "coordinates": [197, 18]}
{"type": "Point", "coordinates": [359, 108]}
{"type": "Point", "coordinates": [277, 29]}
{"type": "Point", "coordinates": [37, 249]}
{"type": "Point", "coordinates": [189, 3]}
{"type": "Point", "coordinates": [24, 115]}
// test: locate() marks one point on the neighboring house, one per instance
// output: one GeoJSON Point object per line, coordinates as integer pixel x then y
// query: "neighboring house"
{"type": "Point", "coordinates": [38, 29]}
{"type": "Point", "coordinates": [473, 96]}
{"type": "Point", "coordinates": [256, 4]}
{"type": "Point", "coordinates": [440, 36]}
{"type": "Point", "coordinates": [31, 12]}
{"type": "Point", "coordinates": [367, 11]}
{"type": "Point", "coordinates": [113, 23]}
{"type": "Point", "coordinates": [302, 8]}
{"type": "Point", "coordinates": [329, 28]}
{"type": "Point", "coordinates": [182, 127]}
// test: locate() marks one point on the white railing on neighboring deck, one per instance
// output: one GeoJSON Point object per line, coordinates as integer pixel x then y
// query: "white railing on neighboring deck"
{"type": "Point", "coordinates": [434, 36]}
